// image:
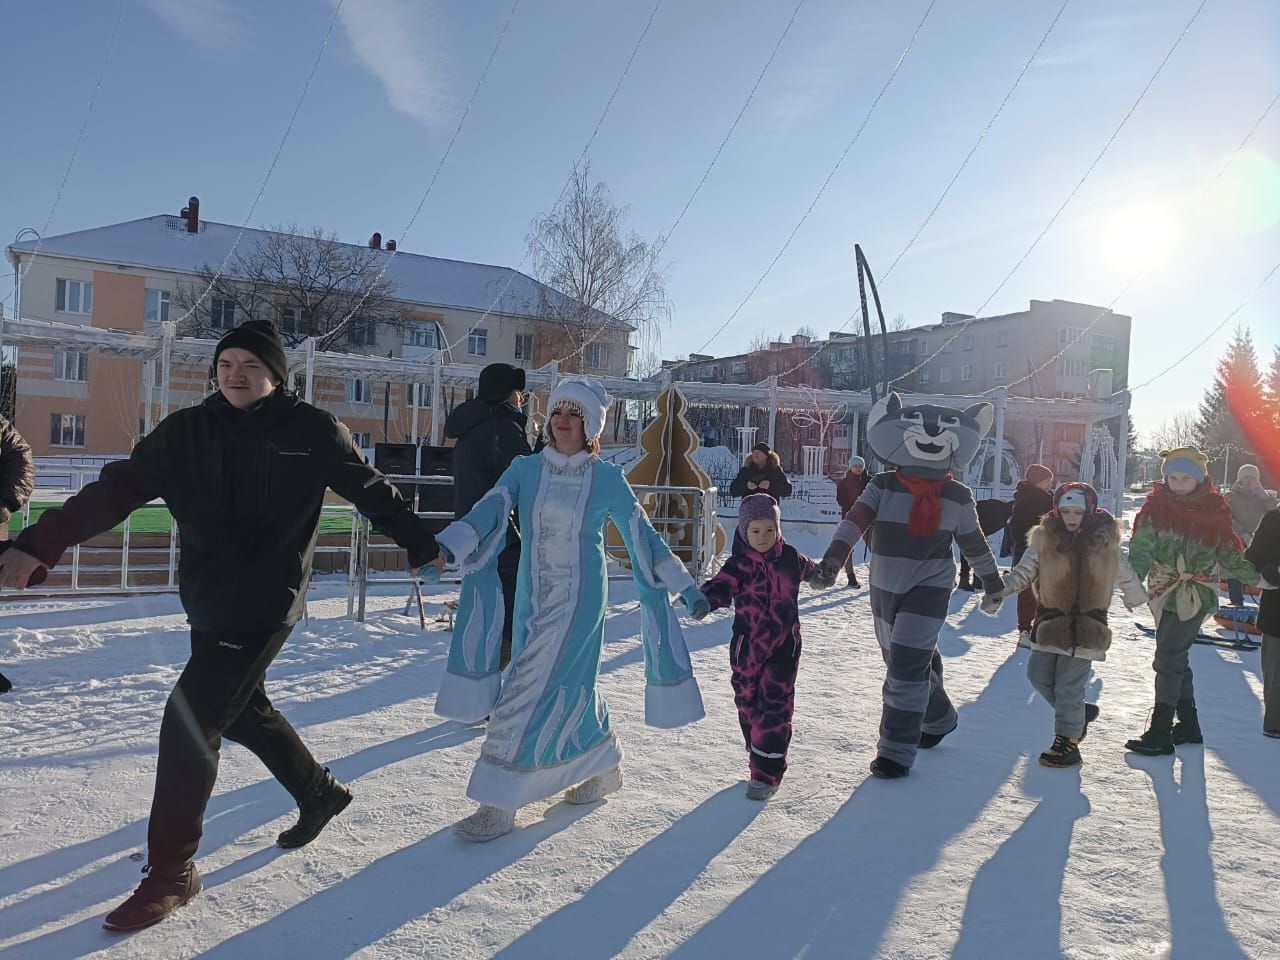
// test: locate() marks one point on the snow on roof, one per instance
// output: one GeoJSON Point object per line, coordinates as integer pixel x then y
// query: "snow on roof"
{"type": "Point", "coordinates": [163, 243]}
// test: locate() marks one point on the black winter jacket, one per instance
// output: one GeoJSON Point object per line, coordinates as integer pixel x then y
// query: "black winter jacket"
{"type": "Point", "coordinates": [245, 487]}
{"type": "Point", "coordinates": [1030, 503]}
{"type": "Point", "coordinates": [779, 485]}
{"type": "Point", "coordinates": [17, 470]}
{"type": "Point", "coordinates": [1264, 553]}
{"type": "Point", "coordinates": [489, 437]}
{"type": "Point", "coordinates": [850, 488]}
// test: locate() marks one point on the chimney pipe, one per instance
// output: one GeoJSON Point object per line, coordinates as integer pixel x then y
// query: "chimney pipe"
{"type": "Point", "coordinates": [375, 242]}
{"type": "Point", "coordinates": [191, 214]}
{"type": "Point", "coordinates": [391, 245]}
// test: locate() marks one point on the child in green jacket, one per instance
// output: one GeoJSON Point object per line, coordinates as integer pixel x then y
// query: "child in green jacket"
{"type": "Point", "coordinates": [1181, 545]}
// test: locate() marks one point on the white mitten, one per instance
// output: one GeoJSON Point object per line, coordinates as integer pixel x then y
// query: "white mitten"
{"type": "Point", "coordinates": [990, 603]}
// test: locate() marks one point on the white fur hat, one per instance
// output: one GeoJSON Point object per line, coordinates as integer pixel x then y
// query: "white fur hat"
{"type": "Point", "coordinates": [589, 396]}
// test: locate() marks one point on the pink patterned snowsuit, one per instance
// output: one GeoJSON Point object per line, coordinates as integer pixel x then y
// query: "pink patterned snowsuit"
{"type": "Point", "coordinates": [764, 589]}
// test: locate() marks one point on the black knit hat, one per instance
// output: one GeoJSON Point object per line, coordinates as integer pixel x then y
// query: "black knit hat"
{"type": "Point", "coordinates": [497, 380]}
{"type": "Point", "coordinates": [762, 447]}
{"type": "Point", "coordinates": [260, 338]}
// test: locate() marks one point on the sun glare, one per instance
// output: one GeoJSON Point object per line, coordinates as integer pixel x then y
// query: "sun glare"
{"type": "Point", "coordinates": [1137, 238]}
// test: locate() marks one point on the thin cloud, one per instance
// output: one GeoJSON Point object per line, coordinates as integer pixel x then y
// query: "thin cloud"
{"type": "Point", "coordinates": [212, 24]}
{"type": "Point", "coordinates": [390, 39]}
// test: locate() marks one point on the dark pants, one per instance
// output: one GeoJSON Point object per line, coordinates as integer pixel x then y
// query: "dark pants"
{"type": "Point", "coordinates": [508, 567]}
{"type": "Point", "coordinates": [965, 570]}
{"type": "Point", "coordinates": [1027, 603]}
{"type": "Point", "coordinates": [220, 694]}
{"type": "Point", "coordinates": [765, 696]}
{"type": "Point", "coordinates": [1174, 637]}
{"type": "Point", "coordinates": [1235, 590]}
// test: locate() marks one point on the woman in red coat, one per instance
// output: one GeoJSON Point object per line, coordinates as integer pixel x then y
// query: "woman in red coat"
{"type": "Point", "coordinates": [848, 490]}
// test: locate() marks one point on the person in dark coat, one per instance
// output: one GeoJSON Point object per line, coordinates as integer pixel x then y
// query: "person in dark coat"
{"type": "Point", "coordinates": [992, 516]}
{"type": "Point", "coordinates": [1032, 499]}
{"type": "Point", "coordinates": [244, 475]}
{"type": "Point", "coordinates": [1264, 553]}
{"type": "Point", "coordinates": [848, 490]}
{"type": "Point", "coordinates": [17, 481]}
{"type": "Point", "coordinates": [490, 433]}
{"type": "Point", "coordinates": [761, 473]}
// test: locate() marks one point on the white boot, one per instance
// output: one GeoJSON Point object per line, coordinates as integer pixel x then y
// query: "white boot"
{"type": "Point", "coordinates": [589, 791]}
{"type": "Point", "coordinates": [487, 823]}
{"type": "Point", "coordinates": [759, 790]}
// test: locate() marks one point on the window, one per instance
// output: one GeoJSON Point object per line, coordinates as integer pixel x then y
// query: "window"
{"type": "Point", "coordinates": [359, 390]}
{"type": "Point", "coordinates": [966, 371]}
{"type": "Point", "coordinates": [968, 343]}
{"type": "Point", "coordinates": [222, 313]}
{"type": "Point", "coordinates": [362, 334]}
{"type": "Point", "coordinates": [524, 346]}
{"type": "Point", "coordinates": [739, 366]}
{"type": "Point", "coordinates": [421, 334]}
{"type": "Point", "coordinates": [155, 306]}
{"type": "Point", "coordinates": [66, 430]}
{"type": "Point", "coordinates": [1068, 335]}
{"type": "Point", "coordinates": [478, 342]}
{"type": "Point", "coordinates": [74, 296]}
{"type": "Point", "coordinates": [295, 320]}
{"type": "Point", "coordinates": [362, 439]}
{"type": "Point", "coordinates": [1001, 371]}
{"type": "Point", "coordinates": [944, 375]}
{"type": "Point", "coordinates": [70, 365]}
{"type": "Point", "coordinates": [924, 376]}
{"type": "Point", "coordinates": [300, 384]}
{"type": "Point", "coordinates": [1002, 338]}
{"type": "Point", "coordinates": [1073, 368]}
{"type": "Point", "coordinates": [424, 394]}
{"type": "Point", "coordinates": [946, 346]}
{"type": "Point", "coordinates": [1103, 343]}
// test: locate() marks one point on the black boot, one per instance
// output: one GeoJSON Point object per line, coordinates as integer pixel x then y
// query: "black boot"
{"type": "Point", "coordinates": [322, 803]}
{"type": "Point", "coordinates": [887, 769]}
{"type": "Point", "coordinates": [5, 685]}
{"type": "Point", "coordinates": [1158, 740]}
{"type": "Point", "coordinates": [160, 893]}
{"type": "Point", "coordinates": [930, 740]}
{"type": "Point", "coordinates": [1187, 729]}
{"type": "Point", "coordinates": [1091, 711]}
{"type": "Point", "coordinates": [1065, 752]}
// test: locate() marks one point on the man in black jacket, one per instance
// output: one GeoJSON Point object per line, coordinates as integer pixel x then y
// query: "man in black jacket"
{"type": "Point", "coordinates": [244, 474]}
{"type": "Point", "coordinates": [17, 481]}
{"type": "Point", "coordinates": [490, 433]}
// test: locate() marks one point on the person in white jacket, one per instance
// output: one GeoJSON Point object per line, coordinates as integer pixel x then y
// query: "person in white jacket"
{"type": "Point", "coordinates": [1073, 562]}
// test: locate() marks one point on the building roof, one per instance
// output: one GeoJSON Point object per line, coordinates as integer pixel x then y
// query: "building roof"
{"type": "Point", "coordinates": [163, 243]}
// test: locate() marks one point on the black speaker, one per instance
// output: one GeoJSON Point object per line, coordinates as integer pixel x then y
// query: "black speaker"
{"type": "Point", "coordinates": [401, 459]}
{"type": "Point", "coordinates": [436, 497]}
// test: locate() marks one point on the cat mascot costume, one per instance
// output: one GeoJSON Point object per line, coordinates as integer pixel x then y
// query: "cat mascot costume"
{"type": "Point", "coordinates": [910, 516]}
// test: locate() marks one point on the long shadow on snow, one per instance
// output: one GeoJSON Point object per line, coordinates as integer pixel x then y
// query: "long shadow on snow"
{"type": "Point", "coordinates": [838, 888]}
{"type": "Point", "coordinates": [1015, 897]}
{"type": "Point", "coordinates": [621, 904]}
{"type": "Point", "coordinates": [229, 816]}
{"type": "Point", "coordinates": [1197, 927]}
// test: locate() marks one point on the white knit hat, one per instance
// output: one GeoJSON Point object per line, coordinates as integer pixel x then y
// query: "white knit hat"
{"type": "Point", "coordinates": [1249, 470]}
{"type": "Point", "coordinates": [1073, 498]}
{"type": "Point", "coordinates": [590, 398]}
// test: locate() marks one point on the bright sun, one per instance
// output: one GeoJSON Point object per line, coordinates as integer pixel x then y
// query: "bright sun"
{"type": "Point", "coordinates": [1137, 238]}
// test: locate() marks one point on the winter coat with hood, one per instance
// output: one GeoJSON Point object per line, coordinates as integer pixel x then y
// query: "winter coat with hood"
{"type": "Point", "coordinates": [1030, 503]}
{"type": "Point", "coordinates": [850, 488]}
{"type": "Point", "coordinates": [1264, 554]}
{"type": "Point", "coordinates": [245, 487]}
{"type": "Point", "coordinates": [779, 485]}
{"type": "Point", "coordinates": [1073, 579]}
{"type": "Point", "coordinates": [17, 472]}
{"type": "Point", "coordinates": [489, 436]}
{"type": "Point", "coordinates": [1248, 506]}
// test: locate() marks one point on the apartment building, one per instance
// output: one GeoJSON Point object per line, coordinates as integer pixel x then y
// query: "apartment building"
{"type": "Point", "coordinates": [129, 276]}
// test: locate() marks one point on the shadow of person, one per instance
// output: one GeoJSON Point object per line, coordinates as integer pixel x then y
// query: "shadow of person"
{"type": "Point", "coordinates": [1196, 924]}
{"type": "Point", "coordinates": [1015, 898]}
{"type": "Point", "coordinates": [834, 894]}
{"type": "Point", "coordinates": [635, 892]}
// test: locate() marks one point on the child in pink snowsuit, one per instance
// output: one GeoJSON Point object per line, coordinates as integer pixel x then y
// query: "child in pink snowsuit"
{"type": "Point", "coordinates": [762, 580]}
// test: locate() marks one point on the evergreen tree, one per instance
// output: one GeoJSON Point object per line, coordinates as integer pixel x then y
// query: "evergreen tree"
{"type": "Point", "coordinates": [1231, 414]}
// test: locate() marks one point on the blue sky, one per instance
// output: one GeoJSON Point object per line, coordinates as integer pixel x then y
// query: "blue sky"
{"type": "Point", "coordinates": [198, 93]}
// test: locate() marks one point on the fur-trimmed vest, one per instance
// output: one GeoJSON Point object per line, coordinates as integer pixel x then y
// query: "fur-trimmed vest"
{"type": "Point", "coordinates": [1074, 588]}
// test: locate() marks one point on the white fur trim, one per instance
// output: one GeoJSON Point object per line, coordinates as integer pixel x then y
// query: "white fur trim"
{"type": "Point", "coordinates": [673, 705]}
{"type": "Point", "coordinates": [672, 574]}
{"type": "Point", "coordinates": [640, 547]}
{"type": "Point", "coordinates": [460, 539]}
{"type": "Point", "coordinates": [467, 699]}
{"type": "Point", "coordinates": [510, 788]}
{"type": "Point", "coordinates": [565, 462]}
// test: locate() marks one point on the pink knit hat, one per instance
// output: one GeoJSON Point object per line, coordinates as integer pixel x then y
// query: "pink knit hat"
{"type": "Point", "coordinates": [758, 506]}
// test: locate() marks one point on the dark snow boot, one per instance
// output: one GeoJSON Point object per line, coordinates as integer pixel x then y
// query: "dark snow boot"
{"type": "Point", "coordinates": [1091, 711]}
{"type": "Point", "coordinates": [322, 803]}
{"type": "Point", "coordinates": [1065, 752]}
{"type": "Point", "coordinates": [969, 585]}
{"type": "Point", "coordinates": [1158, 740]}
{"type": "Point", "coordinates": [930, 740]}
{"type": "Point", "coordinates": [5, 685]}
{"type": "Point", "coordinates": [1187, 729]}
{"type": "Point", "coordinates": [160, 893]}
{"type": "Point", "coordinates": [887, 769]}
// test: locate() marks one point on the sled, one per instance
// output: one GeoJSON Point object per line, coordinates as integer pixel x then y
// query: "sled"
{"type": "Point", "coordinates": [1249, 591]}
{"type": "Point", "coordinates": [1239, 620]}
{"type": "Point", "coordinates": [1238, 642]}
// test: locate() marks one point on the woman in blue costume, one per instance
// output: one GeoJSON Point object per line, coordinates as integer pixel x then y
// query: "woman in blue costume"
{"type": "Point", "coordinates": [549, 727]}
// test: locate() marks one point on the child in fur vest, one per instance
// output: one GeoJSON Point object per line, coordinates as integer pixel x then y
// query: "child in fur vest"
{"type": "Point", "coordinates": [1182, 544]}
{"type": "Point", "coordinates": [1073, 563]}
{"type": "Point", "coordinates": [762, 580]}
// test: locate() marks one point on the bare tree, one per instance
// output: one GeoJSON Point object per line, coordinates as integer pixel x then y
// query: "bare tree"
{"type": "Point", "coordinates": [1180, 430]}
{"type": "Point", "coordinates": [897, 323]}
{"type": "Point", "coordinates": [596, 274]}
{"type": "Point", "coordinates": [819, 415]}
{"type": "Point", "coordinates": [308, 284]}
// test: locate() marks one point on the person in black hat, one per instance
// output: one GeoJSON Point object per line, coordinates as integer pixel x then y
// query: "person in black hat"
{"type": "Point", "coordinates": [17, 481]}
{"type": "Point", "coordinates": [244, 474]}
{"type": "Point", "coordinates": [761, 473]}
{"type": "Point", "coordinates": [490, 432]}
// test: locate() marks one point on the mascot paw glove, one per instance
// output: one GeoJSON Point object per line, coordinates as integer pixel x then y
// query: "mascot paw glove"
{"type": "Point", "coordinates": [990, 603]}
{"type": "Point", "coordinates": [825, 575]}
{"type": "Point", "coordinates": [696, 603]}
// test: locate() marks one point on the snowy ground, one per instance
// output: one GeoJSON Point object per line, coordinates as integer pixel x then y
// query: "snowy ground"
{"type": "Point", "coordinates": [980, 853]}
